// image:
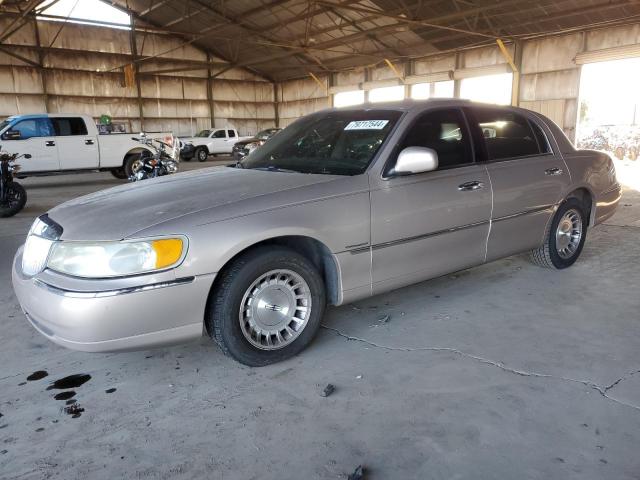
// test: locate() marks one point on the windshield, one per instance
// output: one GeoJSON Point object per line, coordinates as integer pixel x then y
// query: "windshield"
{"type": "Point", "coordinates": [4, 124]}
{"type": "Point", "coordinates": [264, 134]}
{"type": "Point", "coordinates": [334, 143]}
{"type": "Point", "coordinates": [203, 133]}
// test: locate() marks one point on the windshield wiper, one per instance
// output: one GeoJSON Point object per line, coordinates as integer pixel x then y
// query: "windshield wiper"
{"type": "Point", "coordinates": [273, 168]}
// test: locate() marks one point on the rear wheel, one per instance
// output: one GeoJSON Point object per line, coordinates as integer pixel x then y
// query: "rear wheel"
{"type": "Point", "coordinates": [565, 237]}
{"type": "Point", "coordinates": [201, 154]}
{"type": "Point", "coordinates": [132, 164]}
{"type": "Point", "coordinates": [267, 306]}
{"type": "Point", "coordinates": [16, 200]}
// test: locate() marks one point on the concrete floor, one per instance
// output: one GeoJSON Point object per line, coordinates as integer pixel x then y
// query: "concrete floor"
{"type": "Point", "coordinates": [506, 371]}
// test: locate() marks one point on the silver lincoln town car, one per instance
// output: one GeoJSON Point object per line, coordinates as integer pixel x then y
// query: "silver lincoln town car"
{"type": "Point", "coordinates": [341, 205]}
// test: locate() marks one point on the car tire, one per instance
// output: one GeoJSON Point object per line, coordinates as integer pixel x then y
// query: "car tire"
{"type": "Point", "coordinates": [201, 154]}
{"type": "Point", "coordinates": [119, 173]}
{"type": "Point", "coordinates": [564, 238]}
{"type": "Point", "coordinates": [130, 162]}
{"type": "Point", "coordinates": [20, 200]}
{"type": "Point", "coordinates": [257, 293]}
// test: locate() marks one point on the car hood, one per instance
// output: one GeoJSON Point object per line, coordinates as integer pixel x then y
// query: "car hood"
{"type": "Point", "coordinates": [246, 141]}
{"type": "Point", "coordinates": [218, 192]}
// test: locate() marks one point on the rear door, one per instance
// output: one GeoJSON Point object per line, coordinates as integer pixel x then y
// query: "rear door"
{"type": "Point", "coordinates": [76, 148]}
{"type": "Point", "coordinates": [528, 178]}
{"type": "Point", "coordinates": [36, 139]}
{"type": "Point", "coordinates": [431, 223]}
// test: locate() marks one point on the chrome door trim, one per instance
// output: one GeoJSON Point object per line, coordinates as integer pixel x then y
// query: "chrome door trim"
{"type": "Point", "coordinates": [526, 212]}
{"type": "Point", "coordinates": [399, 241]}
{"type": "Point", "coordinates": [415, 238]}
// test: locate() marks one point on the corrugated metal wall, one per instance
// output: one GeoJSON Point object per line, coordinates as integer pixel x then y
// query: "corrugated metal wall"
{"type": "Point", "coordinates": [76, 78]}
{"type": "Point", "coordinates": [549, 83]}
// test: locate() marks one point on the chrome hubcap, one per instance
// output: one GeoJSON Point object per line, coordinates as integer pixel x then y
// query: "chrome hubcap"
{"type": "Point", "coordinates": [136, 165]}
{"type": "Point", "coordinates": [275, 309]}
{"type": "Point", "coordinates": [569, 234]}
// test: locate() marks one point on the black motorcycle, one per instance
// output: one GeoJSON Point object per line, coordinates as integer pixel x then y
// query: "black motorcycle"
{"type": "Point", "coordinates": [13, 196]}
{"type": "Point", "coordinates": [157, 164]}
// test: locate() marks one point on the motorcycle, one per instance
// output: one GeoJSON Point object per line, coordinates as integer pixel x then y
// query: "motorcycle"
{"type": "Point", "coordinates": [13, 196]}
{"type": "Point", "coordinates": [160, 163]}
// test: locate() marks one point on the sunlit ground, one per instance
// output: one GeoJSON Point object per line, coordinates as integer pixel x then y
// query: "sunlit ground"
{"type": "Point", "coordinates": [628, 173]}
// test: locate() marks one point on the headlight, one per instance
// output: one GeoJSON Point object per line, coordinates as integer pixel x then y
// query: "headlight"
{"type": "Point", "coordinates": [252, 146]}
{"type": "Point", "coordinates": [114, 259]}
{"type": "Point", "coordinates": [41, 236]}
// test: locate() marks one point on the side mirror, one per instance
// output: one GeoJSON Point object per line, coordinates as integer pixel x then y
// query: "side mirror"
{"type": "Point", "coordinates": [27, 155]}
{"type": "Point", "coordinates": [416, 160]}
{"type": "Point", "coordinates": [11, 135]}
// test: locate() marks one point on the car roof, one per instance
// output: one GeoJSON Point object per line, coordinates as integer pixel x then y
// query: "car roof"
{"type": "Point", "coordinates": [23, 116]}
{"type": "Point", "coordinates": [409, 105]}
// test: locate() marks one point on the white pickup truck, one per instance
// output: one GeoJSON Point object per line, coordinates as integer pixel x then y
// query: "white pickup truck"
{"type": "Point", "coordinates": [213, 141]}
{"type": "Point", "coordinates": [61, 143]}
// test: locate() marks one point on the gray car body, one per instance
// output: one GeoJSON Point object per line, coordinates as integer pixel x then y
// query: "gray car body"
{"type": "Point", "coordinates": [367, 233]}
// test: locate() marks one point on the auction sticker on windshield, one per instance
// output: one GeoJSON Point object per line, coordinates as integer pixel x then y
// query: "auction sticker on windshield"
{"type": "Point", "coordinates": [366, 125]}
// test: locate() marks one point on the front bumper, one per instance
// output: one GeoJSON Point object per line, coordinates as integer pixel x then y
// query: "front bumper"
{"type": "Point", "coordinates": [102, 320]}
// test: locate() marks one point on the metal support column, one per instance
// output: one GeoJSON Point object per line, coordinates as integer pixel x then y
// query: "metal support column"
{"type": "Point", "coordinates": [276, 105]}
{"type": "Point", "coordinates": [43, 73]}
{"type": "Point", "coordinates": [134, 55]}
{"type": "Point", "coordinates": [210, 93]}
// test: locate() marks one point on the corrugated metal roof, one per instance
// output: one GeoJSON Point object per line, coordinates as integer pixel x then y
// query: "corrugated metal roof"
{"type": "Point", "coordinates": [282, 39]}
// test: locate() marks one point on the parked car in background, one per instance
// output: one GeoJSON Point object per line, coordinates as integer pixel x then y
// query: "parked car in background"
{"type": "Point", "coordinates": [186, 150]}
{"type": "Point", "coordinates": [60, 142]}
{"type": "Point", "coordinates": [217, 141]}
{"type": "Point", "coordinates": [341, 205]}
{"type": "Point", "coordinates": [244, 147]}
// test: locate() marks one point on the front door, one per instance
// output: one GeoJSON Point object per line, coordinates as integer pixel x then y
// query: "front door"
{"type": "Point", "coordinates": [428, 224]}
{"type": "Point", "coordinates": [218, 141]}
{"type": "Point", "coordinates": [528, 179]}
{"type": "Point", "coordinates": [36, 139]}
{"type": "Point", "coordinates": [76, 148]}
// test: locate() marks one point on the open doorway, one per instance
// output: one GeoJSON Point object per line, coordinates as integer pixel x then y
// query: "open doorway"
{"type": "Point", "coordinates": [609, 114]}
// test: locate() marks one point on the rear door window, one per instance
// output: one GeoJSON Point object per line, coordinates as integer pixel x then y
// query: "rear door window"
{"type": "Point", "coordinates": [231, 133]}
{"type": "Point", "coordinates": [507, 134]}
{"type": "Point", "coordinates": [69, 126]}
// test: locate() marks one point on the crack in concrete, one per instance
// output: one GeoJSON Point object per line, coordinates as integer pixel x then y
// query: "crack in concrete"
{"type": "Point", "coordinates": [624, 377]}
{"type": "Point", "coordinates": [602, 390]}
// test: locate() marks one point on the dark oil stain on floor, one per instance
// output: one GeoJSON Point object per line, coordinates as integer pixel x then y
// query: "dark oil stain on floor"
{"type": "Point", "coordinates": [110, 390]}
{"type": "Point", "coordinates": [39, 375]}
{"type": "Point", "coordinates": [74, 410]}
{"type": "Point", "coordinates": [65, 395]}
{"type": "Point", "coordinates": [72, 381]}
{"type": "Point", "coordinates": [71, 402]}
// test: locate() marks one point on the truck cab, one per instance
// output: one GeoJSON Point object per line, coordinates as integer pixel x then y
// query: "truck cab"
{"type": "Point", "coordinates": [44, 137]}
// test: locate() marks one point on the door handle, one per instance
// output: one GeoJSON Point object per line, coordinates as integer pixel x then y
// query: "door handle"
{"type": "Point", "coordinates": [50, 143]}
{"type": "Point", "coordinates": [553, 171]}
{"type": "Point", "coordinates": [88, 142]}
{"type": "Point", "coordinates": [470, 186]}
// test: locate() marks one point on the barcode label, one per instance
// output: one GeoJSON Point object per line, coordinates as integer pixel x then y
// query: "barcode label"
{"type": "Point", "coordinates": [366, 125]}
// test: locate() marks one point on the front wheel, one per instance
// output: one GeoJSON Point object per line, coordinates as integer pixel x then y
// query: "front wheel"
{"type": "Point", "coordinates": [564, 238]}
{"type": "Point", "coordinates": [15, 201]}
{"type": "Point", "coordinates": [266, 306]}
{"type": "Point", "coordinates": [202, 154]}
